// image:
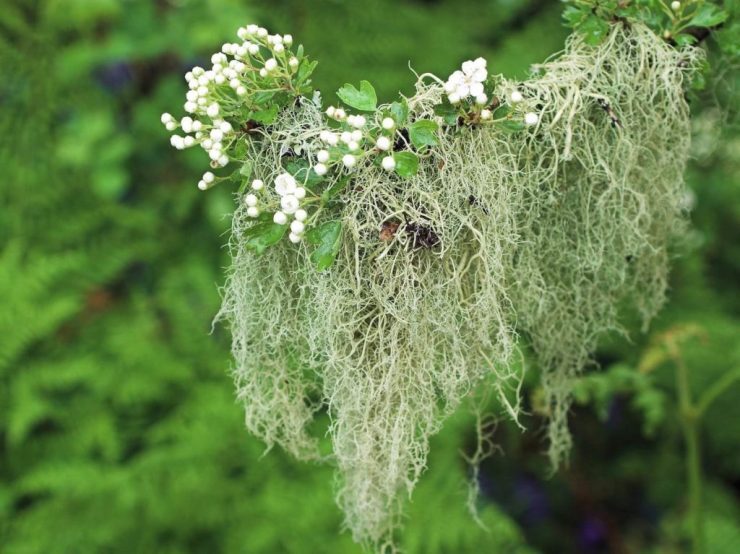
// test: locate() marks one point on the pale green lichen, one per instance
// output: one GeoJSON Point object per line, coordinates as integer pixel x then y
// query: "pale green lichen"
{"type": "Point", "coordinates": [542, 235]}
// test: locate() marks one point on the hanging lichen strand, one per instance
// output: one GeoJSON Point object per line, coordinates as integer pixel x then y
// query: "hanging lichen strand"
{"type": "Point", "coordinates": [439, 235]}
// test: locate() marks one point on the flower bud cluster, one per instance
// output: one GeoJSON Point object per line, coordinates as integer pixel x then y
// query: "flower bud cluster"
{"type": "Point", "coordinates": [219, 97]}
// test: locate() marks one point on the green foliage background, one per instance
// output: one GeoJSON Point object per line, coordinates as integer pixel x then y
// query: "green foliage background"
{"type": "Point", "coordinates": [118, 426]}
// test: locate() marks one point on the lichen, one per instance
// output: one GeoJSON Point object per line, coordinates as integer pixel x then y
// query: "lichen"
{"type": "Point", "coordinates": [539, 237]}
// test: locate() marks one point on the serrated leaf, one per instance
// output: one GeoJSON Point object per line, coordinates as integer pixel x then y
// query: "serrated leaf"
{"type": "Point", "coordinates": [708, 15]}
{"type": "Point", "coordinates": [400, 112]}
{"type": "Point", "coordinates": [574, 15]}
{"type": "Point", "coordinates": [305, 70]}
{"type": "Point", "coordinates": [263, 235]}
{"type": "Point", "coordinates": [593, 29]}
{"type": "Point", "coordinates": [424, 133]}
{"type": "Point", "coordinates": [364, 99]}
{"type": "Point", "coordinates": [327, 239]}
{"type": "Point", "coordinates": [266, 116]}
{"type": "Point", "coordinates": [407, 163]}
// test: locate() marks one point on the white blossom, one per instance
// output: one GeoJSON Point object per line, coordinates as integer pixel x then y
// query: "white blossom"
{"type": "Point", "coordinates": [388, 163]}
{"type": "Point", "coordinates": [320, 169]}
{"type": "Point", "coordinates": [349, 160]}
{"type": "Point", "coordinates": [468, 82]}
{"type": "Point", "coordinates": [297, 227]}
{"type": "Point", "coordinates": [285, 184]}
{"type": "Point", "coordinates": [301, 215]}
{"type": "Point", "coordinates": [257, 184]}
{"type": "Point", "coordinates": [295, 239]}
{"type": "Point", "coordinates": [250, 200]}
{"type": "Point", "coordinates": [253, 211]}
{"type": "Point", "coordinates": [516, 97]}
{"type": "Point", "coordinates": [388, 123]}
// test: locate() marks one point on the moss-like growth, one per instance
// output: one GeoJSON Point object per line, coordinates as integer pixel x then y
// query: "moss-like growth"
{"type": "Point", "coordinates": [541, 235]}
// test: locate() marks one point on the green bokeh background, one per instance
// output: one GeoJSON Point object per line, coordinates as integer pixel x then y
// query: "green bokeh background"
{"type": "Point", "coordinates": [119, 432]}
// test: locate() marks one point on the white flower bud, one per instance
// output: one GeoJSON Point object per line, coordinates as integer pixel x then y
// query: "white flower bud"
{"type": "Point", "coordinates": [332, 139]}
{"type": "Point", "coordinates": [188, 141]}
{"type": "Point", "coordinates": [288, 39]}
{"type": "Point", "coordinates": [320, 169]}
{"type": "Point", "coordinates": [257, 184]}
{"type": "Point", "coordinates": [250, 200]}
{"type": "Point", "coordinates": [383, 143]}
{"type": "Point", "coordinates": [170, 125]}
{"type": "Point", "coordinates": [253, 211]}
{"type": "Point", "coordinates": [293, 62]}
{"type": "Point", "coordinates": [675, 6]}
{"type": "Point", "coordinates": [216, 135]}
{"type": "Point", "coordinates": [278, 48]}
{"type": "Point", "coordinates": [254, 49]}
{"type": "Point", "coordinates": [357, 135]}
{"type": "Point", "coordinates": [177, 141]}
{"type": "Point", "coordinates": [166, 117]}
{"type": "Point", "coordinates": [349, 160]}
{"type": "Point", "coordinates": [481, 99]}
{"type": "Point", "coordinates": [485, 114]}
{"type": "Point", "coordinates": [289, 203]}
{"type": "Point", "coordinates": [531, 118]}
{"type": "Point", "coordinates": [202, 185]}
{"type": "Point", "coordinates": [300, 193]}
{"type": "Point", "coordinates": [191, 107]}
{"type": "Point", "coordinates": [322, 156]}
{"type": "Point", "coordinates": [208, 177]}
{"type": "Point", "coordinates": [301, 215]}
{"type": "Point", "coordinates": [295, 239]}
{"type": "Point", "coordinates": [262, 32]}
{"type": "Point", "coordinates": [213, 110]}
{"type": "Point", "coordinates": [340, 114]}
{"type": "Point", "coordinates": [330, 111]}
{"type": "Point", "coordinates": [285, 184]}
{"type": "Point", "coordinates": [516, 97]}
{"type": "Point", "coordinates": [280, 218]}
{"type": "Point", "coordinates": [388, 163]}
{"type": "Point", "coordinates": [263, 72]}
{"type": "Point", "coordinates": [241, 91]}
{"type": "Point", "coordinates": [214, 154]}
{"type": "Point", "coordinates": [454, 98]}
{"type": "Point", "coordinates": [346, 137]}
{"type": "Point", "coordinates": [388, 123]}
{"type": "Point", "coordinates": [223, 161]}
{"type": "Point", "coordinates": [297, 227]}
{"type": "Point", "coordinates": [271, 64]}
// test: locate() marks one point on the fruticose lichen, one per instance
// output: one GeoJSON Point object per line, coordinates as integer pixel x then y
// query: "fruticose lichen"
{"type": "Point", "coordinates": [540, 237]}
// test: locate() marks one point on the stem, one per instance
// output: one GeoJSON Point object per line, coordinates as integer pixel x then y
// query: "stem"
{"type": "Point", "coordinates": [689, 418]}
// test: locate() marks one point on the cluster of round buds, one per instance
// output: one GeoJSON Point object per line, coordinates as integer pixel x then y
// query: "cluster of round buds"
{"type": "Point", "coordinates": [289, 210]}
{"type": "Point", "coordinates": [239, 68]}
{"type": "Point", "coordinates": [337, 114]}
{"type": "Point", "coordinates": [468, 83]}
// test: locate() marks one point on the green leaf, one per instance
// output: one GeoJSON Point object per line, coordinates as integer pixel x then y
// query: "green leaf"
{"type": "Point", "coordinates": [262, 96]}
{"type": "Point", "coordinates": [447, 111]}
{"type": "Point", "coordinates": [264, 234]}
{"type": "Point", "coordinates": [364, 99]}
{"type": "Point", "coordinates": [512, 125]}
{"type": "Point", "coordinates": [304, 71]}
{"type": "Point", "coordinates": [302, 171]}
{"type": "Point", "coordinates": [400, 112]}
{"type": "Point", "coordinates": [424, 133]}
{"type": "Point", "coordinates": [246, 172]}
{"type": "Point", "coordinates": [326, 237]}
{"type": "Point", "coordinates": [573, 16]}
{"type": "Point", "coordinates": [265, 116]}
{"type": "Point", "coordinates": [708, 15]}
{"type": "Point", "coordinates": [333, 191]}
{"type": "Point", "coordinates": [594, 29]}
{"type": "Point", "coordinates": [407, 163]}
